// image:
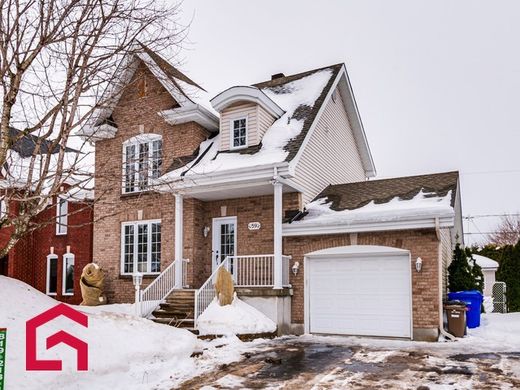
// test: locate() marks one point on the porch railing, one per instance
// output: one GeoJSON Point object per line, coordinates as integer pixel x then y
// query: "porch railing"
{"type": "Point", "coordinates": [247, 271]}
{"type": "Point", "coordinates": [257, 270]}
{"type": "Point", "coordinates": [206, 294]}
{"type": "Point", "coordinates": [162, 286]}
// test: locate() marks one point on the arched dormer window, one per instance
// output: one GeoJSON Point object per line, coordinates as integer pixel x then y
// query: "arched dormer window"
{"type": "Point", "coordinates": [142, 161]}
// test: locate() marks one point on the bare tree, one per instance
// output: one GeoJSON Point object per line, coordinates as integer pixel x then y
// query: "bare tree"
{"type": "Point", "coordinates": [508, 231]}
{"type": "Point", "coordinates": [56, 59]}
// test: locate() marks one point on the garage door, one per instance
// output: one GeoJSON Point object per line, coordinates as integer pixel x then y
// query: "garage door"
{"type": "Point", "coordinates": [359, 290]}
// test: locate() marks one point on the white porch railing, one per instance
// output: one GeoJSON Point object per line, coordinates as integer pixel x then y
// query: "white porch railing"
{"type": "Point", "coordinates": [206, 294]}
{"type": "Point", "coordinates": [162, 286]}
{"type": "Point", "coordinates": [257, 270]}
{"type": "Point", "coordinates": [247, 271]}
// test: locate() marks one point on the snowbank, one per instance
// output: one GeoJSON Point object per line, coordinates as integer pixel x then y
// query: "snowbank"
{"type": "Point", "coordinates": [124, 351]}
{"type": "Point", "coordinates": [237, 318]}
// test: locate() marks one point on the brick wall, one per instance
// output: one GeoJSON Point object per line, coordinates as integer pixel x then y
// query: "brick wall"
{"type": "Point", "coordinates": [27, 261]}
{"type": "Point", "coordinates": [421, 243]}
{"type": "Point", "coordinates": [135, 108]}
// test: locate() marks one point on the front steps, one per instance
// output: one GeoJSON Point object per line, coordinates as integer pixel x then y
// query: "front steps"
{"type": "Point", "coordinates": [178, 310]}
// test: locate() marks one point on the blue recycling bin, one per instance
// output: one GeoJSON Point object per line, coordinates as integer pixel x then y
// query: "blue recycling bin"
{"type": "Point", "coordinates": [473, 300]}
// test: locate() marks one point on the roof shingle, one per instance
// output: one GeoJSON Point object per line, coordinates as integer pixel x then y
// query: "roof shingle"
{"type": "Point", "coordinates": [355, 195]}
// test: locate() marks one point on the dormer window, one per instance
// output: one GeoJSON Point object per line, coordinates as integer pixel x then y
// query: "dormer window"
{"type": "Point", "coordinates": [239, 133]}
{"type": "Point", "coordinates": [142, 161]}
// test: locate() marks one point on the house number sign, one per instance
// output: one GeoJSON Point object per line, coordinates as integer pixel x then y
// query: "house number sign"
{"type": "Point", "coordinates": [254, 225]}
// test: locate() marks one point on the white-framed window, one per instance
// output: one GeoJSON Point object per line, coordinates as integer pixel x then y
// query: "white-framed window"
{"type": "Point", "coordinates": [142, 161]}
{"type": "Point", "coordinates": [3, 208]}
{"type": "Point", "coordinates": [52, 275]}
{"type": "Point", "coordinates": [238, 133]}
{"type": "Point", "coordinates": [141, 247]}
{"type": "Point", "coordinates": [62, 209]}
{"type": "Point", "coordinates": [68, 274]}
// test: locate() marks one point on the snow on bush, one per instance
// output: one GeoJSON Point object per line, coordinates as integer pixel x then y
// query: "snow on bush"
{"type": "Point", "coordinates": [237, 318]}
{"type": "Point", "coordinates": [124, 351]}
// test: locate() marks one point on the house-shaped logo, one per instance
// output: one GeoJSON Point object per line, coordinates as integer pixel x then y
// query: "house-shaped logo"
{"type": "Point", "coordinates": [32, 363]}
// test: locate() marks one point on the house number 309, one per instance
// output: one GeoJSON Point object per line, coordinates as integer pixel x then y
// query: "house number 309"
{"type": "Point", "coordinates": [254, 225]}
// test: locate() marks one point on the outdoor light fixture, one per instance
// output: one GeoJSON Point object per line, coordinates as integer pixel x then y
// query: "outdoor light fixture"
{"type": "Point", "coordinates": [137, 278]}
{"type": "Point", "coordinates": [295, 268]}
{"type": "Point", "coordinates": [205, 231]}
{"type": "Point", "coordinates": [418, 264]}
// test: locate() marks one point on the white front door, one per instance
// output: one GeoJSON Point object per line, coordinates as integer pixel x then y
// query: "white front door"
{"type": "Point", "coordinates": [224, 239]}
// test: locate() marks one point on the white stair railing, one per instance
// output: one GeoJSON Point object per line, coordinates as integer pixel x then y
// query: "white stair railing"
{"type": "Point", "coordinates": [205, 295]}
{"type": "Point", "coordinates": [257, 270]}
{"type": "Point", "coordinates": [157, 291]}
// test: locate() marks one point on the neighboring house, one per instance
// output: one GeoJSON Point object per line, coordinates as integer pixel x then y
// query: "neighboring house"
{"type": "Point", "coordinates": [489, 268]}
{"type": "Point", "coordinates": [51, 257]}
{"type": "Point", "coordinates": [269, 181]}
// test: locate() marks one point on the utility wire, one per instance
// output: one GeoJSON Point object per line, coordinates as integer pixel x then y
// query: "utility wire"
{"type": "Point", "coordinates": [491, 215]}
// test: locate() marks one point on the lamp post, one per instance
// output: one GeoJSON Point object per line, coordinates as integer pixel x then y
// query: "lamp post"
{"type": "Point", "coordinates": [137, 278]}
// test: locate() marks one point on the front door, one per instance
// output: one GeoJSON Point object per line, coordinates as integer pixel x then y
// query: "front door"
{"type": "Point", "coordinates": [224, 239]}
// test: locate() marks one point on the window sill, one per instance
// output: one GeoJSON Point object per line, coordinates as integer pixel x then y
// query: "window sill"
{"type": "Point", "coordinates": [61, 234]}
{"type": "Point", "coordinates": [52, 294]}
{"type": "Point", "coordinates": [136, 194]}
{"type": "Point", "coordinates": [67, 295]}
{"type": "Point", "coordinates": [238, 147]}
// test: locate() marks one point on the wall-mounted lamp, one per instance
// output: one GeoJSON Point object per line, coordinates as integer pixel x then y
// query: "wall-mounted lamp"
{"type": "Point", "coordinates": [295, 268]}
{"type": "Point", "coordinates": [205, 231]}
{"type": "Point", "coordinates": [418, 264]}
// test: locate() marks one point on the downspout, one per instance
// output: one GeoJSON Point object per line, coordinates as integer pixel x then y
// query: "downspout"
{"type": "Point", "coordinates": [439, 260]}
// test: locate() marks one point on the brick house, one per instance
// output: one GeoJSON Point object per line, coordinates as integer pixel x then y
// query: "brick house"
{"type": "Point", "coordinates": [271, 182]}
{"type": "Point", "coordinates": [51, 257]}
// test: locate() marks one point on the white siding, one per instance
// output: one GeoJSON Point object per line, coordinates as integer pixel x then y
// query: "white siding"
{"type": "Point", "coordinates": [331, 155]}
{"type": "Point", "coordinates": [258, 121]}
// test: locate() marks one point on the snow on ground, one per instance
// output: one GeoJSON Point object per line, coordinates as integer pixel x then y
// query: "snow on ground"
{"type": "Point", "coordinates": [236, 318]}
{"type": "Point", "coordinates": [423, 204]}
{"type": "Point", "coordinates": [124, 351]}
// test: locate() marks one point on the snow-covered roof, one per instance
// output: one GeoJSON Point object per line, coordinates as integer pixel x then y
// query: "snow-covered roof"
{"type": "Point", "coordinates": [485, 262]}
{"type": "Point", "coordinates": [403, 202]}
{"type": "Point", "coordinates": [424, 204]}
{"type": "Point", "coordinates": [24, 168]}
{"type": "Point", "coordinates": [192, 99]}
{"type": "Point", "coordinates": [299, 97]}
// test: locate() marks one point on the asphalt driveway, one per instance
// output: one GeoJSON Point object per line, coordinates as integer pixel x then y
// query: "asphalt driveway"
{"type": "Point", "coordinates": [329, 363]}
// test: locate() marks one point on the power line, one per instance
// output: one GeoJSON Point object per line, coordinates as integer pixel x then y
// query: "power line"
{"type": "Point", "coordinates": [484, 233]}
{"type": "Point", "coordinates": [491, 172]}
{"type": "Point", "coordinates": [491, 215]}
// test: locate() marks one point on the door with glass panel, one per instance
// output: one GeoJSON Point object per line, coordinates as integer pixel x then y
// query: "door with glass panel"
{"type": "Point", "coordinates": [224, 239]}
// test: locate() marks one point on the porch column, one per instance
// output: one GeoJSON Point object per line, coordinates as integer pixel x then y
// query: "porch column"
{"type": "Point", "coordinates": [277, 239]}
{"type": "Point", "coordinates": [179, 219]}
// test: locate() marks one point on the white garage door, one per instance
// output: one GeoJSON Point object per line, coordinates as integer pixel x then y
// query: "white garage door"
{"type": "Point", "coordinates": [365, 291]}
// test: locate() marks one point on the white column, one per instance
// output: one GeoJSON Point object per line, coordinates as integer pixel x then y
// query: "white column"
{"type": "Point", "coordinates": [179, 224]}
{"type": "Point", "coordinates": [277, 239]}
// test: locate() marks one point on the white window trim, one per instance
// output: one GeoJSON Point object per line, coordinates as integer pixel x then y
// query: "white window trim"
{"type": "Point", "coordinates": [62, 226]}
{"type": "Point", "coordinates": [47, 280]}
{"type": "Point", "coordinates": [67, 256]}
{"type": "Point", "coordinates": [147, 138]}
{"type": "Point", "coordinates": [149, 245]}
{"type": "Point", "coordinates": [231, 138]}
{"type": "Point", "coordinates": [3, 208]}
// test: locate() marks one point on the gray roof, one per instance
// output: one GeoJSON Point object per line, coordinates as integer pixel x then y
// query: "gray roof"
{"type": "Point", "coordinates": [355, 195]}
{"type": "Point", "coordinates": [25, 144]}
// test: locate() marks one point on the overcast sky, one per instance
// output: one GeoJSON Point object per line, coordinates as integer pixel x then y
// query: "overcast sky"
{"type": "Point", "coordinates": [437, 82]}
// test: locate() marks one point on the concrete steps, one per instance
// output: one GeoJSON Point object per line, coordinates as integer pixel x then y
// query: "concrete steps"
{"type": "Point", "coordinates": [178, 310]}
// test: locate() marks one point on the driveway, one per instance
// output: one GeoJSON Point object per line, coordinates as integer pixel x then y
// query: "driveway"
{"type": "Point", "coordinates": [336, 363]}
